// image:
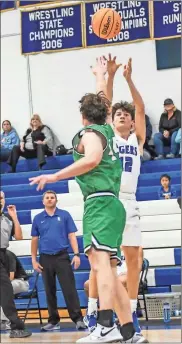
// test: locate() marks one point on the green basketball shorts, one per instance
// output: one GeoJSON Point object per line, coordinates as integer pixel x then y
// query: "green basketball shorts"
{"type": "Point", "coordinates": [103, 224]}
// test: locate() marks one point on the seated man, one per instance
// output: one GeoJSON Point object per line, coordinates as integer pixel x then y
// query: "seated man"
{"type": "Point", "coordinates": [170, 123]}
{"type": "Point", "coordinates": [19, 281]}
{"type": "Point", "coordinates": [90, 318]}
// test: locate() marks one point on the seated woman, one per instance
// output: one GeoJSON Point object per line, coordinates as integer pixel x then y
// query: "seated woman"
{"type": "Point", "coordinates": [37, 143]}
{"type": "Point", "coordinates": [9, 139]}
{"type": "Point", "coordinates": [170, 123]}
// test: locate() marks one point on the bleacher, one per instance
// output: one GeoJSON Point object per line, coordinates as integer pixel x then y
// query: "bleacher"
{"type": "Point", "coordinates": [160, 220]}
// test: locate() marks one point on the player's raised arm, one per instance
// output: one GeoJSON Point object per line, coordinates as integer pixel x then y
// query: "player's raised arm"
{"type": "Point", "coordinates": [112, 67]}
{"type": "Point", "coordinates": [140, 126]}
{"type": "Point", "coordinates": [93, 151]}
{"type": "Point", "coordinates": [100, 70]}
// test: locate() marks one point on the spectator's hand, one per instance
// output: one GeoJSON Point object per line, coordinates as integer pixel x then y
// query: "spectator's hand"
{"type": "Point", "coordinates": [39, 142]}
{"type": "Point", "coordinates": [128, 70]}
{"type": "Point", "coordinates": [166, 134]}
{"type": "Point", "coordinates": [12, 211]}
{"type": "Point", "coordinates": [167, 196]}
{"type": "Point", "coordinates": [112, 66]}
{"type": "Point", "coordinates": [76, 262]}
{"type": "Point", "coordinates": [37, 267]}
{"type": "Point", "coordinates": [22, 146]}
{"type": "Point", "coordinates": [100, 67]}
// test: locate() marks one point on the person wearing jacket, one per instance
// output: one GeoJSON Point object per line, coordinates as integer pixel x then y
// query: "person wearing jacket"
{"type": "Point", "coordinates": [37, 143]}
{"type": "Point", "coordinates": [9, 139]}
{"type": "Point", "coordinates": [170, 123]}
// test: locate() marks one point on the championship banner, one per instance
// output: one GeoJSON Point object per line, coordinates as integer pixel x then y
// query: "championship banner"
{"type": "Point", "coordinates": [7, 6]}
{"type": "Point", "coordinates": [167, 19]}
{"type": "Point", "coordinates": [135, 19]}
{"type": "Point", "coordinates": [52, 29]}
{"type": "Point", "coordinates": [33, 3]}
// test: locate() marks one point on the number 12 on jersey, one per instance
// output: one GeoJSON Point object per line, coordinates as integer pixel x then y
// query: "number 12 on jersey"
{"type": "Point", "coordinates": [127, 163]}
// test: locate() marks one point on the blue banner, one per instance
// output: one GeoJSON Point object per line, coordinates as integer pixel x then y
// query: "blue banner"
{"type": "Point", "coordinates": [29, 2]}
{"type": "Point", "coordinates": [52, 29]}
{"type": "Point", "coordinates": [135, 20]}
{"type": "Point", "coordinates": [7, 5]}
{"type": "Point", "coordinates": [167, 19]}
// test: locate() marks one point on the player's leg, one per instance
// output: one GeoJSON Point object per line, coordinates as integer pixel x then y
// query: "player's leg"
{"type": "Point", "coordinates": [122, 302]}
{"type": "Point", "coordinates": [91, 291]}
{"type": "Point", "coordinates": [100, 220]}
{"type": "Point", "coordinates": [130, 246]}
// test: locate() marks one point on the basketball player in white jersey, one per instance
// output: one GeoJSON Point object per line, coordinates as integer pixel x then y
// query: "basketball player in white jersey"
{"type": "Point", "coordinates": [130, 130]}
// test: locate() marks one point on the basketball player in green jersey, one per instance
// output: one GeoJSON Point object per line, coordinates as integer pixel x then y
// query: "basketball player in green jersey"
{"type": "Point", "coordinates": [98, 171]}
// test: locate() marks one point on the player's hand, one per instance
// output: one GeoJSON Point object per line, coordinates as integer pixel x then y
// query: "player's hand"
{"type": "Point", "coordinates": [76, 262]}
{"type": "Point", "coordinates": [100, 66]}
{"type": "Point", "coordinates": [42, 180]}
{"type": "Point", "coordinates": [12, 211]}
{"type": "Point", "coordinates": [166, 134]}
{"type": "Point", "coordinates": [128, 70]}
{"type": "Point", "coordinates": [37, 267]}
{"type": "Point", "coordinates": [112, 66]}
{"type": "Point", "coordinates": [167, 196]}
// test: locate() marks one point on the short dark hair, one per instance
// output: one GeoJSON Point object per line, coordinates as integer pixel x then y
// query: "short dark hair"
{"type": "Point", "coordinates": [165, 176]}
{"type": "Point", "coordinates": [128, 107]}
{"type": "Point", "coordinates": [49, 192]}
{"type": "Point", "coordinates": [94, 108]}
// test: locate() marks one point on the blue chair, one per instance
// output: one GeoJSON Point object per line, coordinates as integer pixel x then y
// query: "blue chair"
{"type": "Point", "coordinates": [32, 294]}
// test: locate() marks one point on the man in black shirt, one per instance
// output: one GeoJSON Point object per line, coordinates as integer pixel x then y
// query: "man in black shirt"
{"type": "Point", "coordinates": [9, 227]}
{"type": "Point", "coordinates": [18, 278]}
{"type": "Point", "coordinates": [169, 124]}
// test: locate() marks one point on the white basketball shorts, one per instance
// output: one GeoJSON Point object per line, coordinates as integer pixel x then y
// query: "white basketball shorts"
{"type": "Point", "coordinates": [132, 232]}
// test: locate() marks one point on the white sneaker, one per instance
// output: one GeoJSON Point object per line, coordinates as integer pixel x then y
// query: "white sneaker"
{"type": "Point", "coordinates": [137, 338]}
{"type": "Point", "coordinates": [102, 334]}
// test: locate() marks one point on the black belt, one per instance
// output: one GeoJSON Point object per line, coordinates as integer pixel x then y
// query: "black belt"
{"type": "Point", "coordinates": [55, 254]}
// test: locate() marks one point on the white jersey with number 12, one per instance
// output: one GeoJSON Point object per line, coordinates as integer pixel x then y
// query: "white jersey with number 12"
{"type": "Point", "coordinates": [129, 154]}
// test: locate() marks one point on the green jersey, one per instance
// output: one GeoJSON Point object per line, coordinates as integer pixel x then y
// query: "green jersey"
{"type": "Point", "coordinates": [106, 177]}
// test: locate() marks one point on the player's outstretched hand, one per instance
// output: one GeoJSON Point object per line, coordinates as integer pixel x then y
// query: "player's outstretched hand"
{"type": "Point", "coordinates": [112, 65]}
{"type": "Point", "coordinates": [100, 66]}
{"type": "Point", "coordinates": [42, 180]}
{"type": "Point", "coordinates": [128, 70]}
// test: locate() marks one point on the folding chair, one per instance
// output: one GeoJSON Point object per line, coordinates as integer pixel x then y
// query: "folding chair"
{"type": "Point", "coordinates": [31, 294]}
{"type": "Point", "coordinates": [143, 285]}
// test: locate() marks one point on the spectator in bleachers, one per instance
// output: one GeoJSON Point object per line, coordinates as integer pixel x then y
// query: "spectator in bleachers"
{"type": "Point", "coordinates": [9, 227]}
{"type": "Point", "coordinates": [178, 140]}
{"type": "Point", "coordinates": [146, 148]}
{"type": "Point", "coordinates": [55, 229]}
{"type": "Point", "coordinates": [18, 278]}
{"type": "Point", "coordinates": [37, 143]}
{"type": "Point", "coordinates": [9, 139]}
{"type": "Point", "coordinates": [170, 123]}
{"type": "Point", "coordinates": [166, 191]}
